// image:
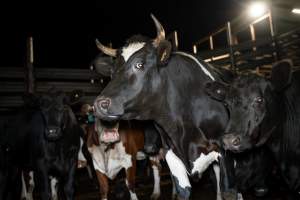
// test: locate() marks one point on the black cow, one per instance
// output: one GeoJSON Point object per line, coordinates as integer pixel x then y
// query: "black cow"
{"type": "Point", "coordinates": [44, 137]}
{"type": "Point", "coordinates": [149, 82]}
{"type": "Point", "coordinates": [265, 112]}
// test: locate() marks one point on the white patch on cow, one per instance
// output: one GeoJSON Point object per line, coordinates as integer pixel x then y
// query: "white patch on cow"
{"type": "Point", "coordinates": [80, 154]}
{"type": "Point", "coordinates": [203, 162]}
{"type": "Point", "coordinates": [111, 161]}
{"type": "Point", "coordinates": [53, 184]}
{"type": "Point", "coordinates": [129, 50]}
{"type": "Point", "coordinates": [156, 187]}
{"type": "Point", "coordinates": [140, 155]}
{"type": "Point", "coordinates": [216, 168]}
{"type": "Point", "coordinates": [27, 194]}
{"type": "Point", "coordinates": [197, 61]}
{"type": "Point", "coordinates": [177, 169]}
{"type": "Point", "coordinates": [240, 196]}
{"type": "Point", "coordinates": [133, 195]}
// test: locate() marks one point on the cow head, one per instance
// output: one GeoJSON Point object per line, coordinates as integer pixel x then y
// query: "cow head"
{"type": "Point", "coordinates": [134, 76]}
{"type": "Point", "coordinates": [253, 104]}
{"type": "Point", "coordinates": [56, 113]}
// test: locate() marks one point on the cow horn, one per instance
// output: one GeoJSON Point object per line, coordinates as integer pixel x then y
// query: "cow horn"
{"type": "Point", "coordinates": [160, 31]}
{"type": "Point", "coordinates": [107, 50]}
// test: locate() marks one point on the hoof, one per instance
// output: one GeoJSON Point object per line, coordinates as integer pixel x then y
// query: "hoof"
{"type": "Point", "coordinates": [261, 192]}
{"type": "Point", "coordinates": [230, 195]}
{"type": "Point", "coordinates": [155, 196]}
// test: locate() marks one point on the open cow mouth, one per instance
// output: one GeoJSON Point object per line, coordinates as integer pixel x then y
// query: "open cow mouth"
{"type": "Point", "coordinates": [108, 132]}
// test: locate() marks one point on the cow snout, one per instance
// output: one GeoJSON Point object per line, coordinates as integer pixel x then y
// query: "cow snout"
{"type": "Point", "coordinates": [53, 133]}
{"type": "Point", "coordinates": [103, 104]}
{"type": "Point", "coordinates": [231, 141]}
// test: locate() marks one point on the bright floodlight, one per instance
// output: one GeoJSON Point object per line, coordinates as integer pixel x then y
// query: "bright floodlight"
{"type": "Point", "coordinates": [257, 9]}
{"type": "Point", "coordinates": [296, 10]}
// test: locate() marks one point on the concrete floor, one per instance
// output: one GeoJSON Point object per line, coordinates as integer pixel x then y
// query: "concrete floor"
{"type": "Point", "coordinates": [86, 189]}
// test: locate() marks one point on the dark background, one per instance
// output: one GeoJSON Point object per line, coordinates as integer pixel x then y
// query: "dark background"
{"type": "Point", "coordinates": [64, 31]}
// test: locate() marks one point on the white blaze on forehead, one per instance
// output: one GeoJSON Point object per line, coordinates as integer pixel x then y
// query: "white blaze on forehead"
{"type": "Point", "coordinates": [129, 50]}
{"type": "Point", "coordinates": [177, 169]}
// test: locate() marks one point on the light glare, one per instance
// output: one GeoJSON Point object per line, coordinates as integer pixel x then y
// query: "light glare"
{"type": "Point", "coordinates": [257, 9]}
{"type": "Point", "coordinates": [296, 10]}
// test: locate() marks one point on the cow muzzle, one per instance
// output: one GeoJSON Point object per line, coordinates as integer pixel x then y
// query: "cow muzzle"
{"type": "Point", "coordinates": [102, 108]}
{"type": "Point", "coordinates": [231, 142]}
{"type": "Point", "coordinates": [53, 133]}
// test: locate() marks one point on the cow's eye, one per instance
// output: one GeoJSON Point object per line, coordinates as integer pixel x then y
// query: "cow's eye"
{"type": "Point", "coordinates": [258, 100]}
{"type": "Point", "coordinates": [139, 65]}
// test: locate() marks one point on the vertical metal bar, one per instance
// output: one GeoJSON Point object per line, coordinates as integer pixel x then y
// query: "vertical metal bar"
{"type": "Point", "coordinates": [211, 43]}
{"type": "Point", "coordinates": [30, 80]}
{"type": "Point", "coordinates": [230, 43]}
{"type": "Point", "coordinates": [176, 40]}
{"type": "Point", "coordinates": [195, 49]}
{"type": "Point", "coordinates": [271, 22]}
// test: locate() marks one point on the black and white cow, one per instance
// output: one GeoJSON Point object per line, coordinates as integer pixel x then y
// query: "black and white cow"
{"type": "Point", "coordinates": [44, 138]}
{"type": "Point", "coordinates": [149, 82]}
{"type": "Point", "coordinates": [265, 112]}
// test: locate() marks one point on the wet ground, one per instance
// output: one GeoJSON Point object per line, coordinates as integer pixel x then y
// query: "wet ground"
{"type": "Point", "coordinates": [87, 189]}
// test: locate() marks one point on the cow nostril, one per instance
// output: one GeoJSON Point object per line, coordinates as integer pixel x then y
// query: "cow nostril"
{"type": "Point", "coordinates": [103, 104]}
{"type": "Point", "coordinates": [236, 141]}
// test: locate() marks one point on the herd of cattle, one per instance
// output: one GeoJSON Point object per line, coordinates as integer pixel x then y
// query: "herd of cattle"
{"type": "Point", "coordinates": [170, 105]}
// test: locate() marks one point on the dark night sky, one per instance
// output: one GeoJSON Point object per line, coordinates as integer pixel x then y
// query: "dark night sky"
{"type": "Point", "coordinates": [64, 33]}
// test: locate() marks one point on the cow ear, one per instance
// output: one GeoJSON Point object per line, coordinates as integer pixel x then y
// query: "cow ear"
{"type": "Point", "coordinates": [164, 50]}
{"type": "Point", "coordinates": [216, 90]}
{"type": "Point", "coordinates": [281, 75]}
{"type": "Point", "coordinates": [103, 65]}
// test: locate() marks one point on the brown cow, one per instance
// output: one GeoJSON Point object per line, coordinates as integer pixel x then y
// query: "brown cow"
{"type": "Point", "coordinates": [115, 148]}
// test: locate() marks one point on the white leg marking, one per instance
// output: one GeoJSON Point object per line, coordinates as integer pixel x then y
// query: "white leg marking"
{"type": "Point", "coordinates": [132, 194]}
{"type": "Point", "coordinates": [31, 186]}
{"type": "Point", "coordinates": [177, 169]}
{"type": "Point", "coordinates": [80, 154]}
{"type": "Point", "coordinates": [240, 196]}
{"type": "Point", "coordinates": [217, 174]}
{"type": "Point", "coordinates": [156, 187]}
{"type": "Point", "coordinates": [203, 162]}
{"type": "Point", "coordinates": [53, 182]}
{"type": "Point", "coordinates": [24, 189]}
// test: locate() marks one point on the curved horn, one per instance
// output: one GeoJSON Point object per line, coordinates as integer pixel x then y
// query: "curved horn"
{"type": "Point", "coordinates": [160, 31]}
{"type": "Point", "coordinates": [107, 50]}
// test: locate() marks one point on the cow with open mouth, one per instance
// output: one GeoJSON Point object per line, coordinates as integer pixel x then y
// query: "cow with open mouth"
{"type": "Point", "coordinates": [265, 112]}
{"type": "Point", "coordinates": [150, 82]}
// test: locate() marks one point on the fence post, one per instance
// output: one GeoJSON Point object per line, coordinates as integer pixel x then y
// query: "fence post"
{"type": "Point", "coordinates": [29, 75]}
{"type": "Point", "coordinates": [230, 43]}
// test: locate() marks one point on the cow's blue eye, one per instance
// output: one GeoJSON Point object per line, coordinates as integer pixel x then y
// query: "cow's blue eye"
{"type": "Point", "coordinates": [139, 65]}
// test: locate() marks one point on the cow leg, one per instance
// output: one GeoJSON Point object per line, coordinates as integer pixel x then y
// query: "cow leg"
{"type": "Point", "coordinates": [53, 183]}
{"type": "Point", "coordinates": [216, 168]}
{"type": "Point", "coordinates": [69, 183]}
{"type": "Point", "coordinates": [156, 173]}
{"type": "Point", "coordinates": [103, 185]}
{"type": "Point", "coordinates": [28, 193]}
{"type": "Point", "coordinates": [41, 177]}
{"type": "Point", "coordinates": [227, 179]}
{"type": "Point", "coordinates": [179, 174]}
{"type": "Point", "coordinates": [130, 179]}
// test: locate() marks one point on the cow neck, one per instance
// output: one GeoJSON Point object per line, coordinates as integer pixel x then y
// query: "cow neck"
{"type": "Point", "coordinates": [181, 87]}
{"type": "Point", "coordinates": [287, 131]}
